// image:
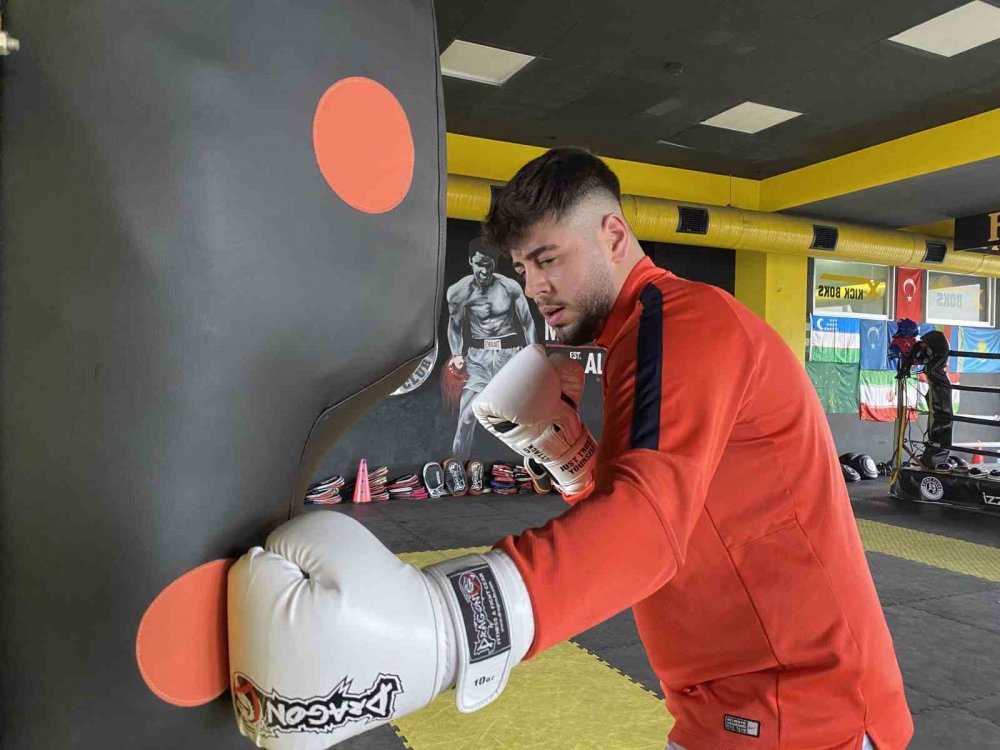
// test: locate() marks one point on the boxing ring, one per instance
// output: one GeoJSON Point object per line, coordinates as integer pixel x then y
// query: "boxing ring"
{"type": "Point", "coordinates": [924, 469]}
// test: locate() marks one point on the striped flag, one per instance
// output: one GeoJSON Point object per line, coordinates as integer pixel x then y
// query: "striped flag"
{"type": "Point", "coordinates": [834, 339]}
{"type": "Point", "coordinates": [877, 395]}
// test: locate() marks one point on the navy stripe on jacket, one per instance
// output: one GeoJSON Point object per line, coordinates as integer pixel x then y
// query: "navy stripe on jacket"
{"type": "Point", "coordinates": [648, 371]}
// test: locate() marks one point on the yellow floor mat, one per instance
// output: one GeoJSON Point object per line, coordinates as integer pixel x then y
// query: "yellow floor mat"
{"type": "Point", "coordinates": [932, 549]}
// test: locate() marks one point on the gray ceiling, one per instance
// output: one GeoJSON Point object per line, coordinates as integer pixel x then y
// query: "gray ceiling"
{"type": "Point", "coordinates": [964, 190]}
{"type": "Point", "coordinates": [604, 65]}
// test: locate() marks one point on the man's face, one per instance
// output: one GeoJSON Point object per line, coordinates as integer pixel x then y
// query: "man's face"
{"type": "Point", "coordinates": [568, 275]}
{"type": "Point", "coordinates": [482, 267]}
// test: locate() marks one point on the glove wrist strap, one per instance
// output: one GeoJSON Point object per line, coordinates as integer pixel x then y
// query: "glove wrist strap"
{"type": "Point", "coordinates": [573, 470]}
{"type": "Point", "coordinates": [493, 622]}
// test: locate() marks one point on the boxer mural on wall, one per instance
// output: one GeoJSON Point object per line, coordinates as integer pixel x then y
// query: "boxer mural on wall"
{"type": "Point", "coordinates": [490, 302]}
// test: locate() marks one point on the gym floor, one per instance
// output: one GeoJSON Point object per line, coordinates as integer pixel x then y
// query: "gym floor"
{"type": "Point", "coordinates": [938, 575]}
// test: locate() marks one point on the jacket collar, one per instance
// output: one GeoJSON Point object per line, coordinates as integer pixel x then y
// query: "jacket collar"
{"type": "Point", "coordinates": [641, 274]}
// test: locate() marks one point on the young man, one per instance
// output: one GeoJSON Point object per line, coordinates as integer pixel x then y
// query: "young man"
{"type": "Point", "coordinates": [719, 514]}
{"type": "Point", "coordinates": [714, 507]}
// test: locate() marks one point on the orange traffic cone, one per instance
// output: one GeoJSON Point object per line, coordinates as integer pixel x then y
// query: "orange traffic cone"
{"type": "Point", "coordinates": [362, 492]}
{"type": "Point", "coordinates": [976, 457]}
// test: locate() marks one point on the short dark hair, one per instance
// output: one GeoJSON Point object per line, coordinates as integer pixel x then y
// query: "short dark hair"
{"type": "Point", "coordinates": [552, 184]}
{"type": "Point", "coordinates": [479, 245]}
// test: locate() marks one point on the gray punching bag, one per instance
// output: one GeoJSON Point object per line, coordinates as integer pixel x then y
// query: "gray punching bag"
{"type": "Point", "coordinates": [222, 241]}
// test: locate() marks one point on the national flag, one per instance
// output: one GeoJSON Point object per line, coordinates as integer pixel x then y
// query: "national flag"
{"type": "Point", "coordinates": [910, 294]}
{"type": "Point", "coordinates": [978, 340]}
{"type": "Point", "coordinates": [875, 345]}
{"type": "Point", "coordinates": [834, 339]}
{"type": "Point", "coordinates": [836, 385]}
{"type": "Point", "coordinates": [877, 395]}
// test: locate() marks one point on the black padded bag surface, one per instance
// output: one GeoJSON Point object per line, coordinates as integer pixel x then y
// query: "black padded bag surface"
{"type": "Point", "coordinates": [183, 296]}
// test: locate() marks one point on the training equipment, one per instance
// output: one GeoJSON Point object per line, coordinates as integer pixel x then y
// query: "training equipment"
{"type": "Point", "coordinates": [371, 489]}
{"type": "Point", "coordinates": [958, 463]}
{"type": "Point", "coordinates": [861, 463]}
{"type": "Point", "coordinates": [502, 479]}
{"type": "Point", "coordinates": [522, 478]}
{"type": "Point", "coordinates": [330, 634]}
{"type": "Point", "coordinates": [474, 471]}
{"type": "Point", "coordinates": [850, 475]}
{"type": "Point", "coordinates": [362, 492]}
{"type": "Point", "coordinates": [434, 479]}
{"type": "Point", "coordinates": [531, 405]}
{"type": "Point", "coordinates": [455, 481]}
{"type": "Point", "coordinates": [865, 466]}
{"type": "Point", "coordinates": [325, 492]}
{"type": "Point", "coordinates": [540, 478]}
{"type": "Point", "coordinates": [407, 487]}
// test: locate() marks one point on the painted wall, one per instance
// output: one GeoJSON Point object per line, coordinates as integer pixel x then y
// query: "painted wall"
{"type": "Point", "coordinates": [408, 430]}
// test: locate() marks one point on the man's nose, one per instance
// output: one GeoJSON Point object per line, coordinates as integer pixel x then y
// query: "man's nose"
{"type": "Point", "coordinates": [535, 283]}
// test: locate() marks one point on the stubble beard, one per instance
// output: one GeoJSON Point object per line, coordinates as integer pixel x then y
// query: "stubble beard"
{"type": "Point", "coordinates": [594, 305]}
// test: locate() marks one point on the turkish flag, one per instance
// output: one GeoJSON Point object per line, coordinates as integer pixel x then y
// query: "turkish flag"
{"type": "Point", "coordinates": [910, 294]}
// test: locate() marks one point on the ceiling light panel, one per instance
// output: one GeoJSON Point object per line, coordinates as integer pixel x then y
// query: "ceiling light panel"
{"type": "Point", "coordinates": [966, 27]}
{"type": "Point", "coordinates": [477, 62]}
{"type": "Point", "coordinates": [750, 117]}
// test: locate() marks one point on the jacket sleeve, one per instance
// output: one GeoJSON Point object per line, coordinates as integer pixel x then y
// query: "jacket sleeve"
{"type": "Point", "coordinates": [628, 538]}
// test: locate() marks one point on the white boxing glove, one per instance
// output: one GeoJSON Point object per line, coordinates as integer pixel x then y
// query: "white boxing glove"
{"type": "Point", "coordinates": [531, 405]}
{"type": "Point", "coordinates": [331, 635]}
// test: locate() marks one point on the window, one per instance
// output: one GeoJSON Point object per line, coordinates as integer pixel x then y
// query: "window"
{"type": "Point", "coordinates": [957, 299]}
{"type": "Point", "coordinates": [861, 290]}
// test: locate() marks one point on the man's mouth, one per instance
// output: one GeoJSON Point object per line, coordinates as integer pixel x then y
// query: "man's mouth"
{"type": "Point", "coordinates": [553, 314]}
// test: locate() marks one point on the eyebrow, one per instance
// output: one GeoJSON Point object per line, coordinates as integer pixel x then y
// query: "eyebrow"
{"type": "Point", "coordinates": [532, 254]}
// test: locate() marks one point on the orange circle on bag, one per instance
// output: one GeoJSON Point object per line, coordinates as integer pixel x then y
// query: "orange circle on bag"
{"type": "Point", "coordinates": [181, 646]}
{"type": "Point", "coordinates": [363, 144]}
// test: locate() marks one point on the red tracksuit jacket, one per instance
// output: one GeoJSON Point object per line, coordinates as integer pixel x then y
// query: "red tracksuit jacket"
{"type": "Point", "coordinates": [721, 517]}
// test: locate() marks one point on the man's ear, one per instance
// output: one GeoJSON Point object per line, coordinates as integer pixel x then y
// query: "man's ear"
{"type": "Point", "coordinates": [616, 232]}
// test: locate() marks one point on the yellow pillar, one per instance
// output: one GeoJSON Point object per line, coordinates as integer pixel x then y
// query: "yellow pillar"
{"type": "Point", "coordinates": [774, 286]}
